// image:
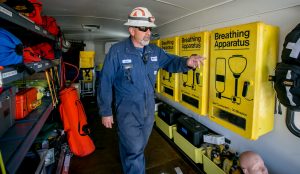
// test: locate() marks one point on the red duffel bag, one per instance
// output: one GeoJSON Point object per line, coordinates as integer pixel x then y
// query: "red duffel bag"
{"type": "Point", "coordinates": [49, 23]}
{"type": "Point", "coordinates": [35, 15]}
{"type": "Point", "coordinates": [45, 50]}
{"type": "Point", "coordinates": [75, 123]}
{"type": "Point", "coordinates": [30, 56]}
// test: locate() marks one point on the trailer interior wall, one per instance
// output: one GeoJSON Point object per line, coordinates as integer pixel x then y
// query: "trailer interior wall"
{"type": "Point", "coordinates": [100, 52]}
{"type": "Point", "coordinates": [279, 148]}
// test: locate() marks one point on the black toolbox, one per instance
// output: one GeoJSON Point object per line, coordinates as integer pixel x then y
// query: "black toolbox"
{"type": "Point", "coordinates": [191, 130]}
{"type": "Point", "coordinates": [168, 114]}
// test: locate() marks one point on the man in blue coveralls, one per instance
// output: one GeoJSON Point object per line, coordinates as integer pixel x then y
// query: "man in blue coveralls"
{"type": "Point", "coordinates": [127, 81]}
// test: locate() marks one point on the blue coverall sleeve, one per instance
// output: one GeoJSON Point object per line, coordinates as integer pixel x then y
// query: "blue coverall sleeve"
{"type": "Point", "coordinates": [172, 63]}
{"type": "Point", "coordinates": [105, 89]}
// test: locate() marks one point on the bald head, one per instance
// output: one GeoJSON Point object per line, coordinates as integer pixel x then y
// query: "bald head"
{"type": "Point", "coordinates": [252, 163]}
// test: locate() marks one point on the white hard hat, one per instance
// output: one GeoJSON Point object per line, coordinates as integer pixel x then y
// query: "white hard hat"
{"type": "Point", "coordinates": [140, 17]}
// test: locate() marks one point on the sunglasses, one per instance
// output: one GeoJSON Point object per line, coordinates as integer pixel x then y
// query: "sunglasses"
{"type": "Point", "coordinates": [144, 29]}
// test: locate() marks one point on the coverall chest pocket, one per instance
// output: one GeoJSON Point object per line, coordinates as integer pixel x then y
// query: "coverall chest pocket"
{"type": "Point", "coordinates": [152, 72]}
{"type": "Point", "coordinates": [128, 72]}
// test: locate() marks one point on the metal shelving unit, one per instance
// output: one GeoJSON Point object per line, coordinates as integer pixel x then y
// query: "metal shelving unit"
{"type": "Point", "coordinates": [10, 74]}
{"type": "Point", "coordinates": [8, 14]}
{"type": "Point", "coordinates": [15, 143]}
{"type": "Point", "coordinates": [17, 140]}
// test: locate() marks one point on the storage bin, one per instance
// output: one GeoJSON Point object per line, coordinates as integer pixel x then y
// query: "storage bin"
{"type": "Point", "coordinates": [193, 152]}
{"type": "Point", "coordinates": [164, 127]}
{"type": "Point", "coordinates": [210, 167]}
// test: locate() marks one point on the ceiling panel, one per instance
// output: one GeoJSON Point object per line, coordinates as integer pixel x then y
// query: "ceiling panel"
{"type": "Point", "coordinates": [111, 15]}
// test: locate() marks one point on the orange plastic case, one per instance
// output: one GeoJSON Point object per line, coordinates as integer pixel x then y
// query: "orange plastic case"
{"type": "Point", "coordinates": [26, 101]}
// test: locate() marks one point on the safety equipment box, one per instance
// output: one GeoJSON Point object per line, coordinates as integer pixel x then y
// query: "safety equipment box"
{"type": "Point", "coordinates": [169, 82]}
{"type": "Point", "coordinates": [157, 84]}
{"type": "Point", "coordinates": [86, 59]}
{"type": "Point", "coordinates": [193, 92]}
{"type": "Point", "coordinates": [241, 97]}
{"type": "Point", "coordinates": [191, 129]}
{"type": "Point", "coordinates": [26, 101]}
{"type": "Point", "coordinates": [168, 114]}
{"type": "Point", "coordinates": [7, 109]}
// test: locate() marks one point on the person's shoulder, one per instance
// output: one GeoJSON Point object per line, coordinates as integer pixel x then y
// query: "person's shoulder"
{"type": "Point", "coordinates": [154, 47]}
{"type": "Point", "coordinates": [118, 44]}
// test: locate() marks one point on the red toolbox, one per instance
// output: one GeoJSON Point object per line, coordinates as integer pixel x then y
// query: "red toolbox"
{"type": "Point", "coordinates": [26, 101]}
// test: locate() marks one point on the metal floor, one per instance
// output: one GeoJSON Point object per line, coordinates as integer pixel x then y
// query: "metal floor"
{"type": "Point", "coordinates": [161, 157]}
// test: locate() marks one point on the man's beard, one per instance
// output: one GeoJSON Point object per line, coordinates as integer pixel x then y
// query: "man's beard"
{"type": "Point", "coordinates": [145, 41]}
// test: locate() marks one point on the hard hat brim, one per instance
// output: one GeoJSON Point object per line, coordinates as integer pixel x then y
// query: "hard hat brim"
{"type": "Point", "coordinates": [139, 23]}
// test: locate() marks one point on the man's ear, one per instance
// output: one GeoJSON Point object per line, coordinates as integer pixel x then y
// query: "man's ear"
{"type": "Point", "coordinates": [131, 31]}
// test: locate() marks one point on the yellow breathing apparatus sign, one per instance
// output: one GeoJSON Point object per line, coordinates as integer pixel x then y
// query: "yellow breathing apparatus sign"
{"type": "Point", "coordinates": [157, 84]}
{"type": "Point", "coordinates": [194, 84]}
{"type": "Point", "coordinates": [241, 97]}
{"type": "Point", "coordinates": [169, 81]}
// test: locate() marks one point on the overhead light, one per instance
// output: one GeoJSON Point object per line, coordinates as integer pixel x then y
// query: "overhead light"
{"type": "Point", "coordinates": [90, 27]}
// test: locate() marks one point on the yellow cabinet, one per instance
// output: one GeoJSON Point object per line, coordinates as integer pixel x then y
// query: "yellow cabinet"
{"type": "Point", "coordinates": [169, 81]}
{"type": "Point", "coordinates": [193, 92]}
{"type": "Point", "coordinates": [241, 97]}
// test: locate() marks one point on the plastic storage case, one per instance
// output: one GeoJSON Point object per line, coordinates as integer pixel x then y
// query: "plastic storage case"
{"type": "Point", "coordinates": [192, 130]}
{"type": "Point", "coordinates": [26, 101]}
{"type": "Point", "coordinates": [168, 114]}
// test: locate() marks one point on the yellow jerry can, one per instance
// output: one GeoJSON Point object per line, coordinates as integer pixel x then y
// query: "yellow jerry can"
{"type": "Point", "coordinates": [193, 92]}
{"type": "Point", "coordinates": [169, 81]}
{"type": "Point", "coordinates": [241, 97]}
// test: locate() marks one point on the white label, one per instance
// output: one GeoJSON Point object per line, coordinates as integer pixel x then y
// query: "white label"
{"type": "Point", "coordinates": [37, 28]}
{"type": "Point", "coordinates": [5, 11]}
{"type": "Point", "coordinates": [40, 66]}
{"type": "Point", "coordinates": [126, 61]}
{"type": "Point", "coordinates": [25, 17]}
{"type": "Point", "coordinates": [45, 32]}
{"type": "Point", "coordinates": [295, 47]}
{"type": "Point", "coordinates": [154, 59]}
{"type": "Point", "coordinates": [9, 74]}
